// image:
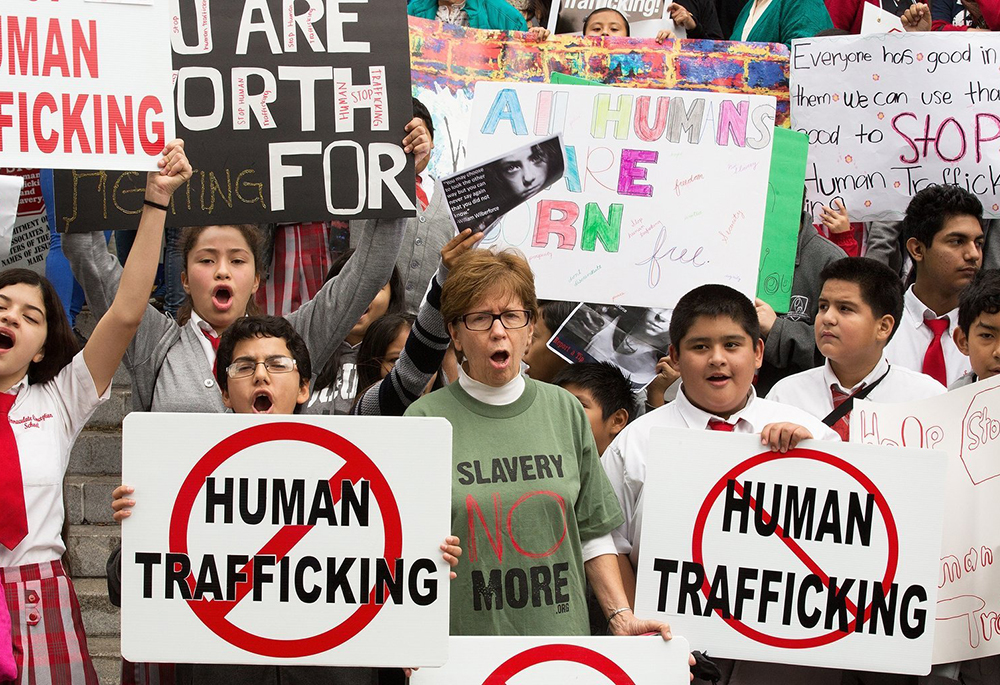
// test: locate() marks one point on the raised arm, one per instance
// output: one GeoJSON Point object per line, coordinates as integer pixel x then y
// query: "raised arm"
{"type": "Point", "coordinates": [113, 334]}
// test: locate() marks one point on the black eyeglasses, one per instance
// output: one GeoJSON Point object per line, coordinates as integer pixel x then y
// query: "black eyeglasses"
{"type": "Point", "coordinates": [247, 367]}
{"type": "Point", "coordinates": [483, 321]}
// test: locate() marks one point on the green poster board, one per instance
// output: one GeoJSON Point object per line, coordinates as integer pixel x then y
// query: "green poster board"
{"type": "Point", "coordinates": [567, 80]}
{"type": "Point", "coordinates": [781, 217]}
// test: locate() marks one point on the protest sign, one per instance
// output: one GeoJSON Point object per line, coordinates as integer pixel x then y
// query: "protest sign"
{"type": "Point", "coordinates": [632, 338]}
{"type": "Point", "coordinates": [290, 113]}
{"type": "Point", "coordinates": [636, 218]}
{"type": "Point", "coordinates": [645, 19]}
{"type": "Point", "coordinates": [286, 539]}
{"type": "Point", "coordinates": [28, 243]}
{"type": "Point", "coordinates": [874, 19]}
{"type": "Point", "coordinates": [84, 84]}
{"type": "Point", "coordinates": [888, 115]}
{"type": "Point", "coordinates": [480, 196]}
{"type": "Point", "coordinates": [963, 424]}
{"type": "Point", "coordinates": [781, 218]}
{"type": "Point", "coordinates": [444, 78]}
{"type": "Point", "coordinates": [821, 556]}
{"type": "Point", "coordinates": [10, 191]}
{"type": "Point", "coordinates": [545, 660]}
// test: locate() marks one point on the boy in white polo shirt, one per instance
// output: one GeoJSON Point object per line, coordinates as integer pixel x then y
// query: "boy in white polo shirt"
{"type": "Point", "coordinates": [978, 332]}
{"type": "Point", "coordinates": [716, 345]}
{"type": "Point", "coordinates": [944, 238]}
{"type": "Point", "coordinates": [860, 307]}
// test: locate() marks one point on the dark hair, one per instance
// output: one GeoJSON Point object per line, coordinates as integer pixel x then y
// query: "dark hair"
{"type": "Point", "coordinates": [832, 32]}
{"type": "Point", "coordinates": [371, 351]}
{"type": "Point", "coordinates": [261, 327]}
{"type": "Point", "coordinates": [421, 112]}
{"type": "Point", "coordinates": [713, 301]}
{"type": "Point", "coordinates": [397, 303]}
{"type": "Point", "coordinates": [607, 383]}
{"type": "Point", "coordinates": [628, 28]}
{"type": "Point", "coordinates": [255, 241]}
{"type": "Point", "coordinates": [982, 295]}
{"type": "Point", "coordinates": [60, 343]}
{"type": "Point", "coordinates": [933, 206]}
{"type": "Point", "coordinates": [498, 184]}
{"type": "Point", "coordinates": [880, 287]}
{"type": "Point", "coordinates": [555, 312]}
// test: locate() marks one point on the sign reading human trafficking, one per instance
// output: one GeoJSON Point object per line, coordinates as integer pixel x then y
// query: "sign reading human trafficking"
{"type": "Point", "coordinates": [84, 84]}
{"type": "Point", "coordinates": [286, 539]}
{"type": "Point", "coordinates": [545, 660]}
{"type": "Point", "coordinates": [822, 556]}
{"type": "Point", "coordinates": [290, 111]}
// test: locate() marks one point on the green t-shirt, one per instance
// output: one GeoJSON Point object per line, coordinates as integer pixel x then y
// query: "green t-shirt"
{"type": "Point", "coordinates": [527, 487]}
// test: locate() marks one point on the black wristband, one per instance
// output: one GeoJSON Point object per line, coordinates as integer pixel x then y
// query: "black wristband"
{"type": "Point", "coordinates": [156, 205]}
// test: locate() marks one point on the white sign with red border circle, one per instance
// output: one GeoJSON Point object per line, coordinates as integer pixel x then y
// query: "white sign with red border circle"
{"type": "Point", "coordinates": [286, 539]}
{"type": "Point", "coordinates": [826, 555]}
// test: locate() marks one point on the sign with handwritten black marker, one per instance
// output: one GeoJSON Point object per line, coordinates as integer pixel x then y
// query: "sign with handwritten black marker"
{"type": "Point", "coordinates": [290, 111]}
{"type": "Point", "coordinates": [636, 218]}
{"type": "Point", "coordinates": [888, 115]}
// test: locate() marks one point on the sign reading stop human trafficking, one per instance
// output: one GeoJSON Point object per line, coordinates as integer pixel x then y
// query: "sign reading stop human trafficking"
{"type": "Point", "coordinates": [286, 539]}
{"type": "Point", "coordinates": [824, 556]}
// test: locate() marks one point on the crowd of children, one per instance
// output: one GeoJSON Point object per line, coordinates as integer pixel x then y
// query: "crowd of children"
{"type": "Point", "coordinates": [881, 313]}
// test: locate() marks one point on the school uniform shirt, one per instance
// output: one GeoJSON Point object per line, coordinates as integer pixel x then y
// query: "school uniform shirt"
{"type": "Point", "coordinates": [811, 390]}
{"type": "Point", "coordinates": [909, 344]}
{"type": "Point", "coordinates": [46, 419]}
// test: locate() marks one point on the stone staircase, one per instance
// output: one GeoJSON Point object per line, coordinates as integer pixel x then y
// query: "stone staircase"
{"type": "Point", "coordinates": [95, 468]}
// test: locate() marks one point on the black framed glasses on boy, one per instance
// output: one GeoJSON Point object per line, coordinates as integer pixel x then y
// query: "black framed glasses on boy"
{"type": "Point", "coordinates": [243, 368]}
{"type": "Point", "coordinates": [483, 321]}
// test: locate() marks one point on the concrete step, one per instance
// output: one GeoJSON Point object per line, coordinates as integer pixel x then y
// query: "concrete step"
{"type": "Point", "coordinates": [96, 452]}
{"type": "Point", "coordinates": [88, 548]}
{"type": "Point", "coordinates": [105, 652]}
{"type": "Point", "coordinates": [88, 498]}
{"type": "Point", "coordinates": [100, 617]}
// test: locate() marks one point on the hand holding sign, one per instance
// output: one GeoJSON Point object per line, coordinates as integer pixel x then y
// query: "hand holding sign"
{"type": "Point", "coordinates": [174, 170]}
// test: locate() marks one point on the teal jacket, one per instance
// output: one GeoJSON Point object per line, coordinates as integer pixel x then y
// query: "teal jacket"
{"type": "Point", "coordinates": [483, 14]}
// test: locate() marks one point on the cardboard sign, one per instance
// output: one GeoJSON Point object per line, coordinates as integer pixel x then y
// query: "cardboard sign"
{"type": "Point", "coordinates": [84, 85]}
{"type": "Point", "coordinates": [635, 219]}
{"type": "Point", "coordinates": [545, 660]}
{"type": "Point", "coordinates": [645, 19]}
{"type": "Point", "coordinates": [286, 539]}
{"type": "Point", "coordinates": [821, 556]}
{"type": "Point", "coordinates": [290, 111]}
{"type": "Point", "coordinates": [964, 424]}
{"type": "Point", "coordinates": [888, 115]}
{"type": "Point", "coordinates": [27, 245]}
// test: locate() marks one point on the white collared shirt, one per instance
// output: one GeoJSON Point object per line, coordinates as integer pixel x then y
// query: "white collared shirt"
{"type": "Point", "coordinates": [46, 418]}
{"type": "Point", "coordinates": [810, 390]}
{"type": "Point", "coordinates": [909, 344]}
{"type": "Point", "coordinates": [201, 327]}
{"type": "Point", "coordinates": [428, 183]}
{"type": "Point", "coordinates": [625, 459]}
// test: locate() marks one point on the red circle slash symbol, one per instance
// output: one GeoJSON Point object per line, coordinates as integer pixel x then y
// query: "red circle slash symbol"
{"type": "Point", "coordinates": [545, 653]}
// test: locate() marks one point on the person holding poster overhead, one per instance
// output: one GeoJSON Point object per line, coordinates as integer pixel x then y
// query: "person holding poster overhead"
{"type": "Point", "coordinates": [781, 21]}
{"type": "Point", "coordinates": [539, 526]}
{"type": "Point", "coordinates": [48, 391]}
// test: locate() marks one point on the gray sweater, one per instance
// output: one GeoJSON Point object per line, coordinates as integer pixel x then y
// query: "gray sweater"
{"type": "Point", "coordinates": [167, 363]}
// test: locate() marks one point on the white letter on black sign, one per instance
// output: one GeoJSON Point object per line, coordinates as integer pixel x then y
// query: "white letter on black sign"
{"type": "Point", "coordinates": [377, 177]}
{"type": "Point", "coordinates": [328, 177]}
{"type": "Point", "coordinates": [305, 22]}
{"type": "Point", "coordinates": [248, 26]}
{"type": "Point", "coordinates": [349, 97]}
{"type": "Point", "coordinates": [256, 102]}
{"type": "Point", "coordinates": [204, 122]}
{"type": "Point", "coordinates": [280, 171]}
{"type": "Point", "coordinates": [307, 78]}
{"type": "Point", "coordinates": [335, 20]}
{"type": "Point", "coordinates": [203, 13]}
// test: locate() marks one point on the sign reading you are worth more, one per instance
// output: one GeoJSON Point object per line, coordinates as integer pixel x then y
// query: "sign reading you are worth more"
{"type": "Point", "coordinates": [890, 114]}
{"type": "Point", "coordinates": [823, 556]}
{"type": "Point", "coordinates": [636, 219]}
{"type": "Point", "coordinates": [295, 540]}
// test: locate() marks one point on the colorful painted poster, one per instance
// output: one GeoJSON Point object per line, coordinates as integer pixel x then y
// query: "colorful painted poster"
{"type": "Point", "coordinates": [636, 219]}
{"type": "Point", "coordinates": [29, 241]}
{"type": "Point", "coordinates": [447, 61]}
{"type": "Point", "coordinates": [964, 424]}
{"type": "Point", "coordinates": [888, 115]}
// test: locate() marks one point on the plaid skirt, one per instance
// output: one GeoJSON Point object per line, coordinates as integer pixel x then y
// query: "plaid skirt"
{"type": "Point", "coordinates": [50, 646]}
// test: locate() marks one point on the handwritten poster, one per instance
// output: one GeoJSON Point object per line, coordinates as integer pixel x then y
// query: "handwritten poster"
{"type": "Point", "coordinates": [820, 556]}
{"type": "Point", "coordinates": [636, 218]}
{"type": "Point", "coordinates": [291, 112]}
{"type": "Point", "coordinates": [888, 115]}
{"type": "Point", "coordinates": [84, 85]}
{"type": "Point", "coordinates": [28, 244]}
{"type": "Point", "coordinates": [965, 424]}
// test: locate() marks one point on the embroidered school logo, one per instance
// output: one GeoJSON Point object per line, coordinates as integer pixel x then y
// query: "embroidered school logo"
{"type": "Point", "coordinates": [31, 421]}
{"type": "Point", "coordinates": [798, 308]}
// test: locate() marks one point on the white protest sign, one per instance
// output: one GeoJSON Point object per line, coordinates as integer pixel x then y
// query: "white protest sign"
{"type": "Point", "coordinates": [823, 556]}
{"type": "Point", "coordinates": [874, 19]}
{"type": "Point", "coordinates": [27, 245]}
{"type": "Point", "coordinates": [546, 660]}
{"type": "Point", "coordinates": [10, 192]}
{"type": "Point", "coordinates": [286, 539]}
{"type": "Point", "coordinates": [965, 424]}
{"type": "Point", "coordinates": [636, 218]}
{"type": "Point", "coordinates": [887, 115]}
{"type": "Point", "coordinates": [85, 84]}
